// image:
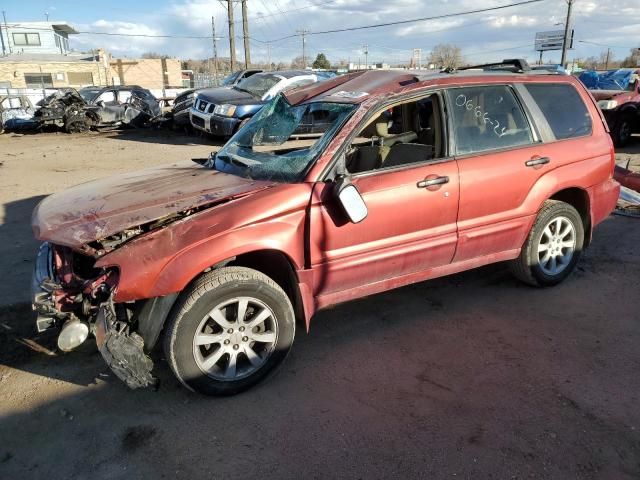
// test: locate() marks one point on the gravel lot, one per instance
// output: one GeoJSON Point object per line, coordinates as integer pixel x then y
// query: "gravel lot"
{"type": "Point", "coordinates": [469, 376]}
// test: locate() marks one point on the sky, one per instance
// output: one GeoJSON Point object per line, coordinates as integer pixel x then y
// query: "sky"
{"type": "Point", "coordinates": [483, 37]}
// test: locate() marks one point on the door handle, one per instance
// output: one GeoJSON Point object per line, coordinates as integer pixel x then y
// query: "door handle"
{"type": "Point", "coordinates": [537, 161]}
{"type": "Point", "coordinates": [432, 182]}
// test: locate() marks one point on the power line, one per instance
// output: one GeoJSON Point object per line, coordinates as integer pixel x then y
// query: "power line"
{"type": "Point", "coordinates": [110, 34]}
{"type": "Point", "coordinates": [414, 20]}
{"type": "Point", "coordinates": [603, 45]}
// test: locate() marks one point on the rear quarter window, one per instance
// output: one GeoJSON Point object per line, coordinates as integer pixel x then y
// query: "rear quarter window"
{"type": "Point", "coordinates": [563, 109]}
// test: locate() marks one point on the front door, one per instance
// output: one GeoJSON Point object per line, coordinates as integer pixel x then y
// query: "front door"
{"type": "Point", "coordinates": [410, 227]}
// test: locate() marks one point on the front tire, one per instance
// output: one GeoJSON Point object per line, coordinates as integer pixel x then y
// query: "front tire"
{"type": "Point", "coordinates": [229, 330]}
{"type": "Point", "coordinates": [553, 246]}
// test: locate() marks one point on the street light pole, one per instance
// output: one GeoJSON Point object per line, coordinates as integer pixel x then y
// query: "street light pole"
{"type": "Point", "coordinates": [567, 29]}
{"type": "Point", "coordinates": [365, 49]}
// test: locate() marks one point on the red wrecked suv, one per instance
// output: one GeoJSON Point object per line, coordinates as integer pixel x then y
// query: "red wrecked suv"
{"type": "Point", "coordinates": [408, 176]}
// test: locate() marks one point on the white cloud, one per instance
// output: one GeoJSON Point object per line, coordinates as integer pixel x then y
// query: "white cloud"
{"type": "Point", "coordinates": [513, 21]}
{"type": "Point", "coordinates": [498, 30]}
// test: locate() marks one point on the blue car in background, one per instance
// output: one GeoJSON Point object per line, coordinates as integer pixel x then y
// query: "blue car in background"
{"type": "Point", "coordinates": [222, 111]}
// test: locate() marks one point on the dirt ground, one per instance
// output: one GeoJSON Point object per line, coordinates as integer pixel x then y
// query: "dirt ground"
{"type": "Point", "coordinates": [470, 376]}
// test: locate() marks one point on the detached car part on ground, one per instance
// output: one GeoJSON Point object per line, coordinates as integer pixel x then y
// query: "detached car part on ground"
{"type": "Point", "coordinates": [222, 111]}
{"type": "Point", "coordinates": [629, 201]}
{"type": "Point", "coordinates": [414, 177]}
{"type": "Point", "coordinates": [618, 95]}
{"type": "Point", "coordinates": [16, 113]}
{"type": "Point", "coordinates": [94, 107]}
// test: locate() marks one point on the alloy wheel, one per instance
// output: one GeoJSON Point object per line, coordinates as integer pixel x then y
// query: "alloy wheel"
{"type": "Point", "coordinates": [235, 339]}
{"type": "Point", "coordinates": [556, 246]}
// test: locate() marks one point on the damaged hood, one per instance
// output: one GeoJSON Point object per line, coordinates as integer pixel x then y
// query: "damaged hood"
{"type": "Point", "coordinates": [227, 95]}
{"type": "Point", "coordinates": [98, 209]}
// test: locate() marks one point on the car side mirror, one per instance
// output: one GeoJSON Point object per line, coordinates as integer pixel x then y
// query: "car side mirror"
{"type": "Point", "coordinates": [100, 103]}
{"type": "Point", "coordinates": [351, 201]}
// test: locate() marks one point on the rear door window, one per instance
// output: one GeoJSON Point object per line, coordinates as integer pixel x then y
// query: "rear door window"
{"type": "Point", "coordinates": [487, 118]}
{"type": "Point", "coordinates": [563, 108]}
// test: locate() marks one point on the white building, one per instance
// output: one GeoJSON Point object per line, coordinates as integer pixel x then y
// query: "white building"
{"type": "Point", "coordinates": [35, 37]}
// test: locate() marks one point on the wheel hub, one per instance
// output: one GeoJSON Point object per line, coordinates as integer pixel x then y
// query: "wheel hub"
{"type": "Point", "coordinates": [235, 338]}
{"type": "Point", "coordinates": [556, 246]}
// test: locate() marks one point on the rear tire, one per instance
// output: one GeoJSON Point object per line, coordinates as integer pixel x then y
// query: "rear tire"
{"type": "Point", "coordinates": [622, 131]}
{"type": "Point", "coordinates": [553, 246]}
{"type": "Point", "coordinates": [229, 331]}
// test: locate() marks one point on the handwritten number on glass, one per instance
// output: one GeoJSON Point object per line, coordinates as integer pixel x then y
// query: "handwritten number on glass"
{"type": "Point", "coordinates": [461, 101]}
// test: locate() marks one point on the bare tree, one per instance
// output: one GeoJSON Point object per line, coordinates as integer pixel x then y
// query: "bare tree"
{"type": "Point", "coordinates": [154, 55]}
{"type": "Point", "coordinates": [297, 62]}
{"type": "Point", "coordinates": [633, 60]}
{"type": "Point", "coordinates": [445, 55]}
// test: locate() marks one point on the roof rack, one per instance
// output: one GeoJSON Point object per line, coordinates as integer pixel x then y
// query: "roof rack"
{"type": "Point", "coordinates": [516, 65]}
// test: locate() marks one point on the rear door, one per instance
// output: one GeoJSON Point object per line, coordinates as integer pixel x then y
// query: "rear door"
{"type": "Point", "coordinates": [501, 155]}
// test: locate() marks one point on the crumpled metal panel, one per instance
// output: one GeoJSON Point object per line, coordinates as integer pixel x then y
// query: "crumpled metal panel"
{"type": "Point", "coordinates": [95, 210]}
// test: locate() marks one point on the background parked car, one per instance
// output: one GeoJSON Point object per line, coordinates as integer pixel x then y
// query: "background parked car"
{"type": "Point", "coordinates": [221, 111]}
{"type": "Point", "coordinates": [618, 96]}
{"type": "Point", "coordinates": [236, 77]}
{"type": "Point", "coordinates": [78, 111]}
{"type": "Point", "coordinates": [181, 106]}
{"type": "Point", "coordinates": [16, 113]}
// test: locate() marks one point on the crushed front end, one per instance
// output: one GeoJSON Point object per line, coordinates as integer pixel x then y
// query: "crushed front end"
{"type": "Point", "coordinates": [74, 298]}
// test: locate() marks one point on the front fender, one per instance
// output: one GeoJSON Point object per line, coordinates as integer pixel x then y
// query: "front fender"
{"type": "Point", "coordinates": [166, 260]}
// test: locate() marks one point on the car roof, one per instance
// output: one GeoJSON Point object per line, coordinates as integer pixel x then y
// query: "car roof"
{"type": "Point", "coordinates": [288, 73]}
{"type": "Point", "coordinates": [114, 87]}
{"type": "Point", "coordinates": [359, 86]}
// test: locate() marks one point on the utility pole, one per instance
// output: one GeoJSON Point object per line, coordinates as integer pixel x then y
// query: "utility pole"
{"type": "Point", "coordinates": [232, 35]}
{"type": "Point", "coordinates": [303, 33]}
{"type": "Point", "coordinates": [245, 35]}
{"type": "Point", "coordinates": [6, 29]}
{"type": "Point", "coordinates": [606, 62]}
{"type": "Point", "coordinates": [4, 52]}
{"type": "Point", "coordinates": [215, 51]}
{"type": "Point", "coordinates": [365, 49]}
{"type": "Point", "coordinates": [269, 55]}
{"type": "Point", "coordinates": [567, 30]}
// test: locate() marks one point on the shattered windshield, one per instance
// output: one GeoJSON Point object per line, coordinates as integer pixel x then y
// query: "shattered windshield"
{"type": "Point", "coordinates": [258, 85]}
{"type": "Point", "coordinates": [281, 141]}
